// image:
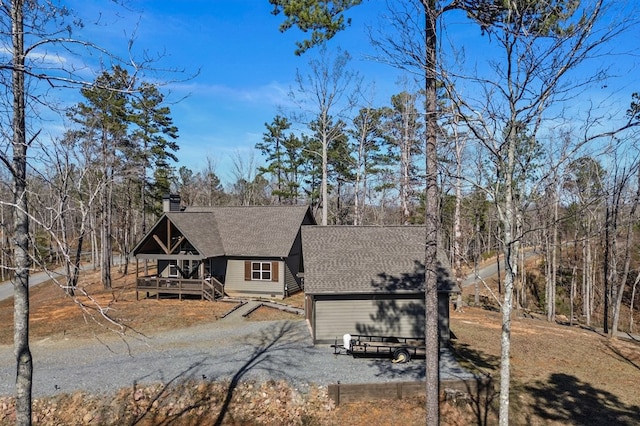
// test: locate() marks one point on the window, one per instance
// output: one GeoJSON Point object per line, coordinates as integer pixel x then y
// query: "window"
{"type": "Point", "coordinates": [173, 269]}
{"type": "Point", "coordinates": [261, 271]}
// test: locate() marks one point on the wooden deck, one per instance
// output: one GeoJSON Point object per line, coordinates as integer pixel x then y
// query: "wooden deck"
{"type": "Point", "coordinates": [209, 289]}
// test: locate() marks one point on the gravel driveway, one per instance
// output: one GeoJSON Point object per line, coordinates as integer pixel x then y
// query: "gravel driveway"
{"type": "Point", "coordinates": [249, 350]}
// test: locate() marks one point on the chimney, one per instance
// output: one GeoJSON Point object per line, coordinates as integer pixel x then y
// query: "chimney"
{"type": "Point", "coordinates": [171, 203]}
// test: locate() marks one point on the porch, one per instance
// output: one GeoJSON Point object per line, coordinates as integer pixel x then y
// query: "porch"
{"type": "Point", "coordinates": [209, 288]}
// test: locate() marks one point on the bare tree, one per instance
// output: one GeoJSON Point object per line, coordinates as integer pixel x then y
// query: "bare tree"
{"type": "Point", "coordinates": [457, 141]}
{"type": "Point", "coordinates": [584, 189]}
{"type": "Point", "coordinates": [621, 219]}
{"type": "Point", "coordinates": [540, 43]}
{"type": "Point", "coordinates": [32, 33]}
{"type": "Point", "coordinates": [18, 169]}
{"type": "Point", "coordinates": [403, 128]}
{"type": "Point", "coordinates": [249, 188]}
{"type": "Point", "coordinates": [326, 95]}
{"type": "Point", "coordinates": [369, 161]}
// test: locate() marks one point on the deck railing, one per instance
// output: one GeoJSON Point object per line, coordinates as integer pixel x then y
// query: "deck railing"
{"type": "Point", "coordinates": [208, 288]}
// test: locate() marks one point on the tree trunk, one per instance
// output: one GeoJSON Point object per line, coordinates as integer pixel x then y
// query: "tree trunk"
{"type": "Point", "coordinates": [476, 259]}
{"type": "Point", "coordinates": [405, 158]}
{"type": "Point", "coordinates": [554, 261]}
{"type": "Point", "coordinates": [631, 303]}
{"type": "Point", "coordinates": [608, 270]}
{"type": "Point", "coordinates": [551, 264]}
{"type": "Point", "coordinates": [432, 216]}
{"type": "Point", "coordinates": [94, 240]}
{"type": "Point", "coordinates": [498, 268]}
{"type": "Point", "coordinates": [356, 186]}
{"type": "Point", "coordinates": [631, 222]}
{"type": "Point", "coordinates": [4, 248]}
{"type": "Point", "coordinates": [508, 217]}
{"type": "Point", "coordinates": [457, 220]}
{"type": "Point", "coordinates": [24, 361]}
{"type": "Point", "coordinates": [505, 338]}
{"type": "Point", "coordinates": [105, 243]}
{"type": "Point", "coordinates": [325, 195]}
{"type": "Point", "coordinates": [457, 236]}
{"type": "Point", "coordinates": [510, 272]}
{"type": "Point", "coordinates": [588, 281]}
{"type": "Point", "coordinates": [572, 294]}
{"type": "Point", "coordinates": [73, 279]}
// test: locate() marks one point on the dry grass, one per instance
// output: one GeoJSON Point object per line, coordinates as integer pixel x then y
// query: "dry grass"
{"type": "Point", "coordinates": [560, 375]}
{"type": "Point", "coordinates": [96, 311]}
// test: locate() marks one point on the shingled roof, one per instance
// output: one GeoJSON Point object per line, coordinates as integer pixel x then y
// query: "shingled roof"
{"type": "Point", "coordinates": [255, 231]}
{"type": "Point", "coordinates": [367, 259]}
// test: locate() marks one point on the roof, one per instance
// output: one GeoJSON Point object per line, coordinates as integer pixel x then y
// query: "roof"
{"type": "Point", "coordinates": [367, 259]}
{"type": "Point", "coordinates": [254, 231]}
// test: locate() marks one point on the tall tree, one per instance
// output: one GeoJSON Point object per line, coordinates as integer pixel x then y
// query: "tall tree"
{"type": "Point", "coordinates": [18, 169]}
{"type": "Point", "coordinates": [584, 187]}
{"type": "Point", "coordinates": [312, 171]}
{"type": "Point", "coordinates": [339, 173]}
{"type": "Point", "coordinates": [621, 218]}
{"type": "Point", "coordinates": [403, 129]}
{"type": "Point", "coordinates": [185, 184]}
{"type": "Point", "coordinates": [370, 158]}
{"type": "Point", "coordinates": [432, 211]}
{"type": "Point", "coordinates": [104, 120]}
{"type": "Point", "coordinates": [250, 188]}
{"type": "Point", "coordinates": [283, 158]}
{"type": "Point", "coordinates": [325, 18]}
{"type": "Point", "coordinates": [32, 32]}
{"type": "Point", "coordinates": [539, 43]}
{"type": "Point", "coordinates": [325, 94]}
{"type": "Point", "coordinates": [456, 140]}
{"type": "Point", "coordinates": [213, 193]}
{"type": "Point", "coordinates": [155, 145]}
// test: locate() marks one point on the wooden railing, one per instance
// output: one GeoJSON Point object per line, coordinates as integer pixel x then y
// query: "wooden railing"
{"type": "Point", "coordinates": [209, 288]}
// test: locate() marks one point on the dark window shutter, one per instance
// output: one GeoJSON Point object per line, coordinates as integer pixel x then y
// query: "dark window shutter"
{"type": "Point", "coordinates": [274, 271]}
{"type": "Point", "coordinates": [247, 270]}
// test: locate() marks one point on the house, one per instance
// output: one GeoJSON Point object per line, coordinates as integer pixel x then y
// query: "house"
{"type": "Point", "coordinates": [216, 251]}
{"type": "Point", "coordinates": [369, 280]}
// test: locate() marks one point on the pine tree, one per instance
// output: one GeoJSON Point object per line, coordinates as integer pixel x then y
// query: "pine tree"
{"type": "Point", "coordinates": [155, 138]}
{"type": "Point", "coordinates": [283, 159]}
{"type": "Point", "coordinates": [367, 143]}
{"type": "Point", "coordinates": [103, 120]}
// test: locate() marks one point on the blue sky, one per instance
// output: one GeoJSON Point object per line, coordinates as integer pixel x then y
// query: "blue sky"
{"type": "Point", "coordinates": [239, 68]}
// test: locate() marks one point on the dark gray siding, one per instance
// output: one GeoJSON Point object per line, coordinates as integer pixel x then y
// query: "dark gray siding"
{"type": "Point", "coordinates": [291, 283]}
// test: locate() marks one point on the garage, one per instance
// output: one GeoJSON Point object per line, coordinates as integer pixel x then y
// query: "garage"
{"type": "Point", "coordinates": [376, 315]}
{"type": "Point", "coordinates": [369, 280]}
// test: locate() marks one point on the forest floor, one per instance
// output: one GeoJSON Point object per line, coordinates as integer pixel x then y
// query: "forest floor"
{"type": "Point", "coordinates": [560, 374]}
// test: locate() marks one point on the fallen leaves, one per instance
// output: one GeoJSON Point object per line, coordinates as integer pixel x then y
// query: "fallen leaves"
{"type": "Point", "coordinates": [186, 403]}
